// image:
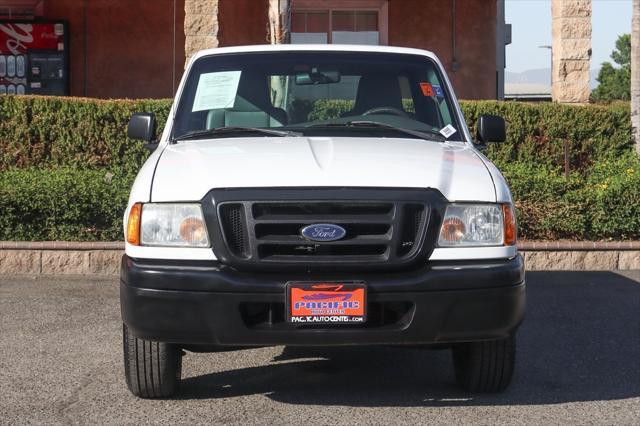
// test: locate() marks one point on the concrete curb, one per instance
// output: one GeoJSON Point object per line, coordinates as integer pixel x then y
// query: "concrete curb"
{"type": "Point", "coordinates": [60, 262]}
{"type": "Point", "coordinates": [103, 258]}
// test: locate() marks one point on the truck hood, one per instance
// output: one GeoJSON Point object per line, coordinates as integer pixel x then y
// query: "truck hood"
{"type": "Point", "coordinates": [188, 170]}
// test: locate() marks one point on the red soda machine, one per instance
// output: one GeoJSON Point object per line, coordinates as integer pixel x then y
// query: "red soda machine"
{"type": "Point", "coordinates": [34, 58]}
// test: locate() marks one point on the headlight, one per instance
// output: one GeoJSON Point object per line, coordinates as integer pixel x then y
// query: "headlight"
{"type": "Point", "coordinates": [179, 225]}
{"type": "Point", "coordinates": [466, 225]}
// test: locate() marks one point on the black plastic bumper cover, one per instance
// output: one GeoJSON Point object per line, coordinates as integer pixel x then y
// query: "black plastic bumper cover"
{"type": "Point", "coordinates": [195, 304]}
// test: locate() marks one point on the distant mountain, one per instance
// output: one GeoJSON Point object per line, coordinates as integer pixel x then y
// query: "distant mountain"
{"type": "Point", "coordinates": [540, 76]}
{"type": "Point", "coordinates": [537, 76]}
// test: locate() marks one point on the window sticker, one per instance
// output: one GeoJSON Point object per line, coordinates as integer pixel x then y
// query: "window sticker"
{"type": "Point", "coordinates": [427, 89]}
{"type": "Point", "coordinates": [438, 91]}
{"type": "Point", "coordinates": [448, 130]}
{"type": "Point", "coordinates": [216, 90]}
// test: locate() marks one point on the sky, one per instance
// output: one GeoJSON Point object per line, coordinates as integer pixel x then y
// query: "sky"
{"type": "Point", "coordinates": [531, 27]}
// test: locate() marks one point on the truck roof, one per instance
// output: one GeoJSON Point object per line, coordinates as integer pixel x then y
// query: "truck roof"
{"type": "Point", "coordinates": [314, 47]}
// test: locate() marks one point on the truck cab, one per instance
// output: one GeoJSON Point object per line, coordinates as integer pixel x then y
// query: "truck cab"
{"type": "Point", "coordinates": [318, 196]}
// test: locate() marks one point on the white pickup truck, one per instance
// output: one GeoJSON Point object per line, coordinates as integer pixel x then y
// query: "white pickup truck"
{"type": "Point", "coordinates": [318, 195]}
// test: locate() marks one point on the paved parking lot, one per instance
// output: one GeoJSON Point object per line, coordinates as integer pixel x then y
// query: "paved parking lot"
{"type": "Point", "coordinates": [578, 362]}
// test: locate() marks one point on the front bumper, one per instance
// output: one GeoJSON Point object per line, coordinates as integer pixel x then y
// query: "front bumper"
{"type": "Point", "coordinates": [193, 304]}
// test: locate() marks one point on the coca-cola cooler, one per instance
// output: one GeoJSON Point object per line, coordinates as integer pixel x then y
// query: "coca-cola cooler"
{"type": "Point", "coordinates": [34, 58]}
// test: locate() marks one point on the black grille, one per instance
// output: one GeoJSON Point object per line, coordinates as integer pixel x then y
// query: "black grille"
{"type": "Point", "coordinates": [388, 229]}
{"type": "Point", "coordinates": [413, 217]}
{"type": "Point", "coordinates": [267, 210]}
{"type": "Point", "coordinates": [374, 230]}
{"type": "Point", "coordinates": [234, 226]}
{"type": "Point", "coordinates": [277, 229]}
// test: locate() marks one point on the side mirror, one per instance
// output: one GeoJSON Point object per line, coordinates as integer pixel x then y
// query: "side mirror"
{"type": "Point", "coordinates": [142, 126]}
{"type": "Point", "coordinates": [491, 128]}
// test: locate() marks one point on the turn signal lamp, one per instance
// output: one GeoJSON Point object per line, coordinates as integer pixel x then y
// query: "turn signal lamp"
{"type": "Point", "coordinates": [510, 227]}
{"type": "Point", "coordinates": [133, 224]}
{"type": "Point", "coordinates": [193, 231]}
{"type": "Point", "coordinates": [453, 229]}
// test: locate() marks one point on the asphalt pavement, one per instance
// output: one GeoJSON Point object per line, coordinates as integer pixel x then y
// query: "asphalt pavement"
{"type": "Point", "coordinates": [578, 362]}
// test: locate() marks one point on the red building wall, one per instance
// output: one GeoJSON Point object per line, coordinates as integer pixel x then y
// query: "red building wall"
{"type": "Point", "coordinates": [125, 48]}
{"type": "Point", "coordinates": [122, 49]}
{"type": "Point", "coordinates": [242, 22]}
{"type": "Point", "coordinates": [424, 24]}
{"type": "Point", "coordinates": [428, 24]}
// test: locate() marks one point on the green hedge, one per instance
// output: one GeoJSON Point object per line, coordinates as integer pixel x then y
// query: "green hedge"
{"type": "Point", "coordinates": [603, 204]}
{"type": "Point", "coordinates": [87, 205]}
{"type": "Point", "coordinates": [62, 204]}
{"type": "Point", "coordinates": [330, 109]}
{"type": "Point", "coordinates": [49, 131]}
{"type": "Point", "coordinates": [46, 131]}
{"type": "Point", "coordinates": [66, 166]}
{"type": "Point", "coordinates": [535, 132]}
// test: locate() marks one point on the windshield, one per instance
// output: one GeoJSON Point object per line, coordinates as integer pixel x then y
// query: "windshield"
{"type": "Point", "coordinates": [317, 94]}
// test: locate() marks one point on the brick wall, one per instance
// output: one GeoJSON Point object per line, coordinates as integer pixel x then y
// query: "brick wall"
{"type": "Point", "coordinates": [122, 49]}
{"type": "Point", "coordinates": [429, 25]}
{"type": "Point", "coordinates": [63, 258]}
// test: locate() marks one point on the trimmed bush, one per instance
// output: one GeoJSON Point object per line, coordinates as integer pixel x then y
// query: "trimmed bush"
{"type": "Point", "coordinates": [66, 166]}
{"type": "Point", "coordinates": [88, 133]}
{"type": "Point", "coordinates": [602, 205]}
{"type": "Point", "coordinates": [87, 205]}
{"type": "Point", "coordinates": [612, 191]}
{"type": "Point", "coordinates": [327, 110]}
{"type": "Point", "coordinates": [536, 132]}
{"type": "Point", "coordinates": [62, 204]}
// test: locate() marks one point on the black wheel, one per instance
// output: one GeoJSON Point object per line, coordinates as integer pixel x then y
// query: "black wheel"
{"type": "Point", "coordinates": [152, 369]}
{"type": "Point", "coordinates": [485, 366]}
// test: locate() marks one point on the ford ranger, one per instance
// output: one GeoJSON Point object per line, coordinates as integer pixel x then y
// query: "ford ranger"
{"type": "Point", "coordinates": [318, 196]}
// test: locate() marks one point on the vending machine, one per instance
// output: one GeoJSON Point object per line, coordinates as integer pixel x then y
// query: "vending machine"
{"type": "Point", "coordinates": [34, 58]}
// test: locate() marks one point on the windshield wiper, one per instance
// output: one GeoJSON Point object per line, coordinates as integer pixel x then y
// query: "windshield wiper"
{"type": "Point", "coordinates": [222, 131]}
{"type": "Point", "coordinates": [422, 134]}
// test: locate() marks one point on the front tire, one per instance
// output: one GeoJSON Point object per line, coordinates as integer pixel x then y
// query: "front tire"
{"type": "Point", "coordinates": [152, 369]}
{"type": "Point", "coordinates": [485, 367]}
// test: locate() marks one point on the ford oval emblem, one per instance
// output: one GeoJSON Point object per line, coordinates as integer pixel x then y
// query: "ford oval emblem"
{"type": "Point", "coordinates": [323, 232]}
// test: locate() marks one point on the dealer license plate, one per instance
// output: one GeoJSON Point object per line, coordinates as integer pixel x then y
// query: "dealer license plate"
{"type": "Point", "coordinates": [326, 302]}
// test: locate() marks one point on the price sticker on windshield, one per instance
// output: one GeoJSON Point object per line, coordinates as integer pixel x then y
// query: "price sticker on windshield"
{"type": "Point", "coordinates": [216, 90]}
{"type": "Point", "coordinates": [438, 91]}
{"type": "Point", "coordinates": [427, 90]}
{"type": "Point", "coordinates": [448, 130]}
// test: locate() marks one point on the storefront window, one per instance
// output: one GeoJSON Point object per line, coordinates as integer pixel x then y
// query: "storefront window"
{"type": "Point", "coordinates": [339, 22]}
{"type": "Point", "coordinates": [310, 27]}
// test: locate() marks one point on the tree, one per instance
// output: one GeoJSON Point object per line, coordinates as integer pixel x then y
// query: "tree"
{"type": "Point", "coordinates": [615, 81]}
{"type": "Point", "coordinates": [635, 73]}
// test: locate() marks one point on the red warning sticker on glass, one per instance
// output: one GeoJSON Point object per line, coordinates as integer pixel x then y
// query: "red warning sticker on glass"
{"type": "Point", "coordinates": [427, 89]}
